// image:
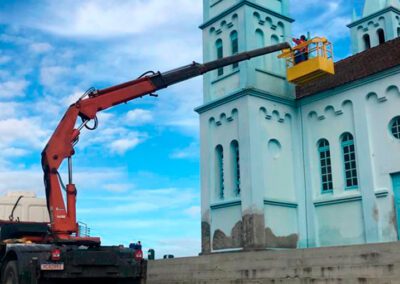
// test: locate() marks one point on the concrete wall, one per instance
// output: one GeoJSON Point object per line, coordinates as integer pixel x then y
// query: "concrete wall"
{"type": "Point", "coordinates": [374, 263]}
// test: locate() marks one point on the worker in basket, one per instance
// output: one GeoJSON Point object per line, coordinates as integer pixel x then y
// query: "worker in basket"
{"type": "Point", "coordinates": [302, 54]}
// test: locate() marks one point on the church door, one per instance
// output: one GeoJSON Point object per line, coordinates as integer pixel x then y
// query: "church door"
{"type": "Point", "coordinates": [396, 191]}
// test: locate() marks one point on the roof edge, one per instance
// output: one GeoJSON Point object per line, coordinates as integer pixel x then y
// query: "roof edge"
{"type": "Point", "coordinates": [369, 17]}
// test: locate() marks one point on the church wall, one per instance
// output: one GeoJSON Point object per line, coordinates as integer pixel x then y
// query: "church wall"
{"type": "Point", "coordinates": [213, 8]}
{"type": "Point", "coordinates": [219, 126]}
{"type": "Point", "coordinates": [269, 192]}
{"type": "Point", "coordinates": [340, 224]}
{"type": "Point", "coordinates": [370, 28]}
{"type": "Point", "coordinates": [255, 29]}
{"type": "Point", "coordinates": [269, 71]}
{"type": "Point", "coordinates": [282, 202]}
{"type": "Point", "coordinates": [280, 191]}
{"type": "Point", "coordinates": [329, 119]}
{"type": "Point", "coordinates": [215, 85]}
{"type": "Point", "coordinates": [382, 105]}
{"type": "Point", "coordinates": [364, 213]}
{"type": "Point", "coordinates": [386, 20]}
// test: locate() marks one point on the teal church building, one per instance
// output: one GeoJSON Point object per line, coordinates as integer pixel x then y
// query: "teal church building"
{"type": "Point", "coordinates": [295, 167]}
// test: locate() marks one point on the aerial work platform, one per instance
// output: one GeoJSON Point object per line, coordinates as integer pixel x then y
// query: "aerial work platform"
{"type": "Point", "coordinates": [309, 61]}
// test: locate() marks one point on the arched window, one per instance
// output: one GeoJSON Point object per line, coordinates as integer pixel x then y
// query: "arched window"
{"type": "Point", "coordinates": [260, 60]}
{"type": "Point", "coordinates": [367, 42]}
{"type": "Point", "coordinates": [234, 46]}
{"type": "Point", "coordinates": [220, 53]}
{"type": "Point", "coordinates": [325, 164]}
{"type": "Point", "coordinates": [219, 165]}
{"type": "Point", "coordinates": [381, 36]}
{"type": "Point", "coordinates": [398, 32]}
{"type": "Point", "coordinates": [349, 158]}
{"type": "Point", "coordinates": [276, 62]}
{"type": "Point", "coordinates": [235, 166]}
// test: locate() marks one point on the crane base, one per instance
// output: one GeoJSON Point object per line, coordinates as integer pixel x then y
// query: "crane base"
{"type": "Point", "coordinates": [80, 241]}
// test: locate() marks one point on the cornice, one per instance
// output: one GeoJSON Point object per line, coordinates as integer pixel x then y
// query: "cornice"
{"type": "Point", "coordinates": [374, 15]}
{"type": "Point", "coordinates": [239, 5]}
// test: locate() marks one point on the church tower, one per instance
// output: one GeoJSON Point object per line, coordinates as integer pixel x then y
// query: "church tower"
{"type": "Point", "coordinates": [379, 22]}
{"type": "Point", "coordinates": [246, 125]}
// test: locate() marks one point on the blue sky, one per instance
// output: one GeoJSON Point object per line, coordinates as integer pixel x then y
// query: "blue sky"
{"type": "Point", "coordinates": [138, 174]}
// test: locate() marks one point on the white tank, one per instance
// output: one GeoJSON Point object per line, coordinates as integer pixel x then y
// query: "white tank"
{"type": "Point", "coordinates": [29, 209]}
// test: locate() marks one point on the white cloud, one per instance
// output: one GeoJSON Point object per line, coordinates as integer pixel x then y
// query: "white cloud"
{"type": "Point", "coordinates": [13, 152]}
{"type": "Point", "coordinates": [129, 208]}
{"type": "Point", "coordinates": [40, 47]}
{"type": "Point", "coordinates": [12, 89]}
{"type": "Point", "coordinates": [103, 18]}
{"type": "Point", "coordinates": [4, 59]}
{"type": "Point", "coordinates": [69, 100]}
{"type": "Point", "coordinates": [8, 109]}
{"type": "Point", "coordinates": [193, 211]}
{"type": "Point", "coordinates": [21, 180]}
{"type": "Point", "coordinates": [20, 40]}
{"type": "Point", "coordinates": [11, 178]}
{"type": "Point", "coordinates": [330, 20]}
{"type": "Point", "coordinates": [121, 146]}
{"type": "Point", "coordinates": [138, 117]}
{"type": "Point", "coordinates": [162, 197]}
{"type": "Point", "coordinates": [51, 76]}
{"type": "Point", "coordinates": [118, 187]}
{"type": "Point", "coordinates": [178, 247]}
{"type": "Point", "coordinates": [190, 152]}
{"type": "Point", "coordinates": [25, 131]}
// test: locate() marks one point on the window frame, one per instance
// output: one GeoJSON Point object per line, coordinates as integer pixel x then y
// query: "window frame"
{"type": "Point", "coordinates": [220, 177]}
{"type": "Point", "coordinates": [219, 48]}
{"type": "Point", "coordinates": [381, 36]}
{"type": "Point", "coordinates": [394, 120]}
{"type": "Point", "coordinates": [326, 149]}
{"type": "Point", "coordinates": [235, 152]}
{"type": "Point", "coordinates": [234, 38]}
{"type": "Point", "coordinates": [344, 144]}
{"type": "Point", "coordinates": [367, 41]}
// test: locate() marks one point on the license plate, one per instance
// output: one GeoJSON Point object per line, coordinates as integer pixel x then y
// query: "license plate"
{"type": "Point", "coordinates": [52, 266]}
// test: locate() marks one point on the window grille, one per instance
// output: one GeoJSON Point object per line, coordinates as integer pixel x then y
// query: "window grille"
{"type": "Point", "coordinates": [349, 157]}
{"type": "Point", "coordinates": [235, 46]}
{"type": "Point", "coordinates": [220, 171]}
{"type": "Point", "coordinates": [325, 164]}
{"type": "Point", "coordinates": [220, 54]}
{"type": "Point", "coordinates": [395, 127]}
{"type": "Point", "coordinates": [236, 167]}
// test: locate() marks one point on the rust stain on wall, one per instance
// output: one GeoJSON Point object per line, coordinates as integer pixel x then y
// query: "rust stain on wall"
{"type": "Point", "coordinates": [205, 238]}
{"type": "Point", "coordinates": [248, 234]}
{"type": "Point", "coordinates": [393, 216]}
{"type": "Point", "coordinates": [253, 231]}
{"type": "Point", "coordinates": [221, 241]}
{"type": "Point", "coordinates": [376, 213]}
{"type": "Point", "coordinates": [273, 241]}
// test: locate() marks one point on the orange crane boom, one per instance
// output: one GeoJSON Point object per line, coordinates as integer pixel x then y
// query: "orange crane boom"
{"type": "Point", "coordinates": [61, 144]}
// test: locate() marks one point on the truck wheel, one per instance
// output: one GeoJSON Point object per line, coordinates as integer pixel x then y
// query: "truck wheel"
{"type": "Point", "coordinates": [10, 273]}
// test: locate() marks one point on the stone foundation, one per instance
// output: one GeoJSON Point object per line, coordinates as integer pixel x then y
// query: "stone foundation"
{"type": "Point", "coordinates": [371, 263]}
{"type": "Point", "coordinates": [248, 234]}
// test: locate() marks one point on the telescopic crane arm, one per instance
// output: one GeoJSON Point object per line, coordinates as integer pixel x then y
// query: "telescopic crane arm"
{"type": "Point", "coordinates": [61, 144]}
